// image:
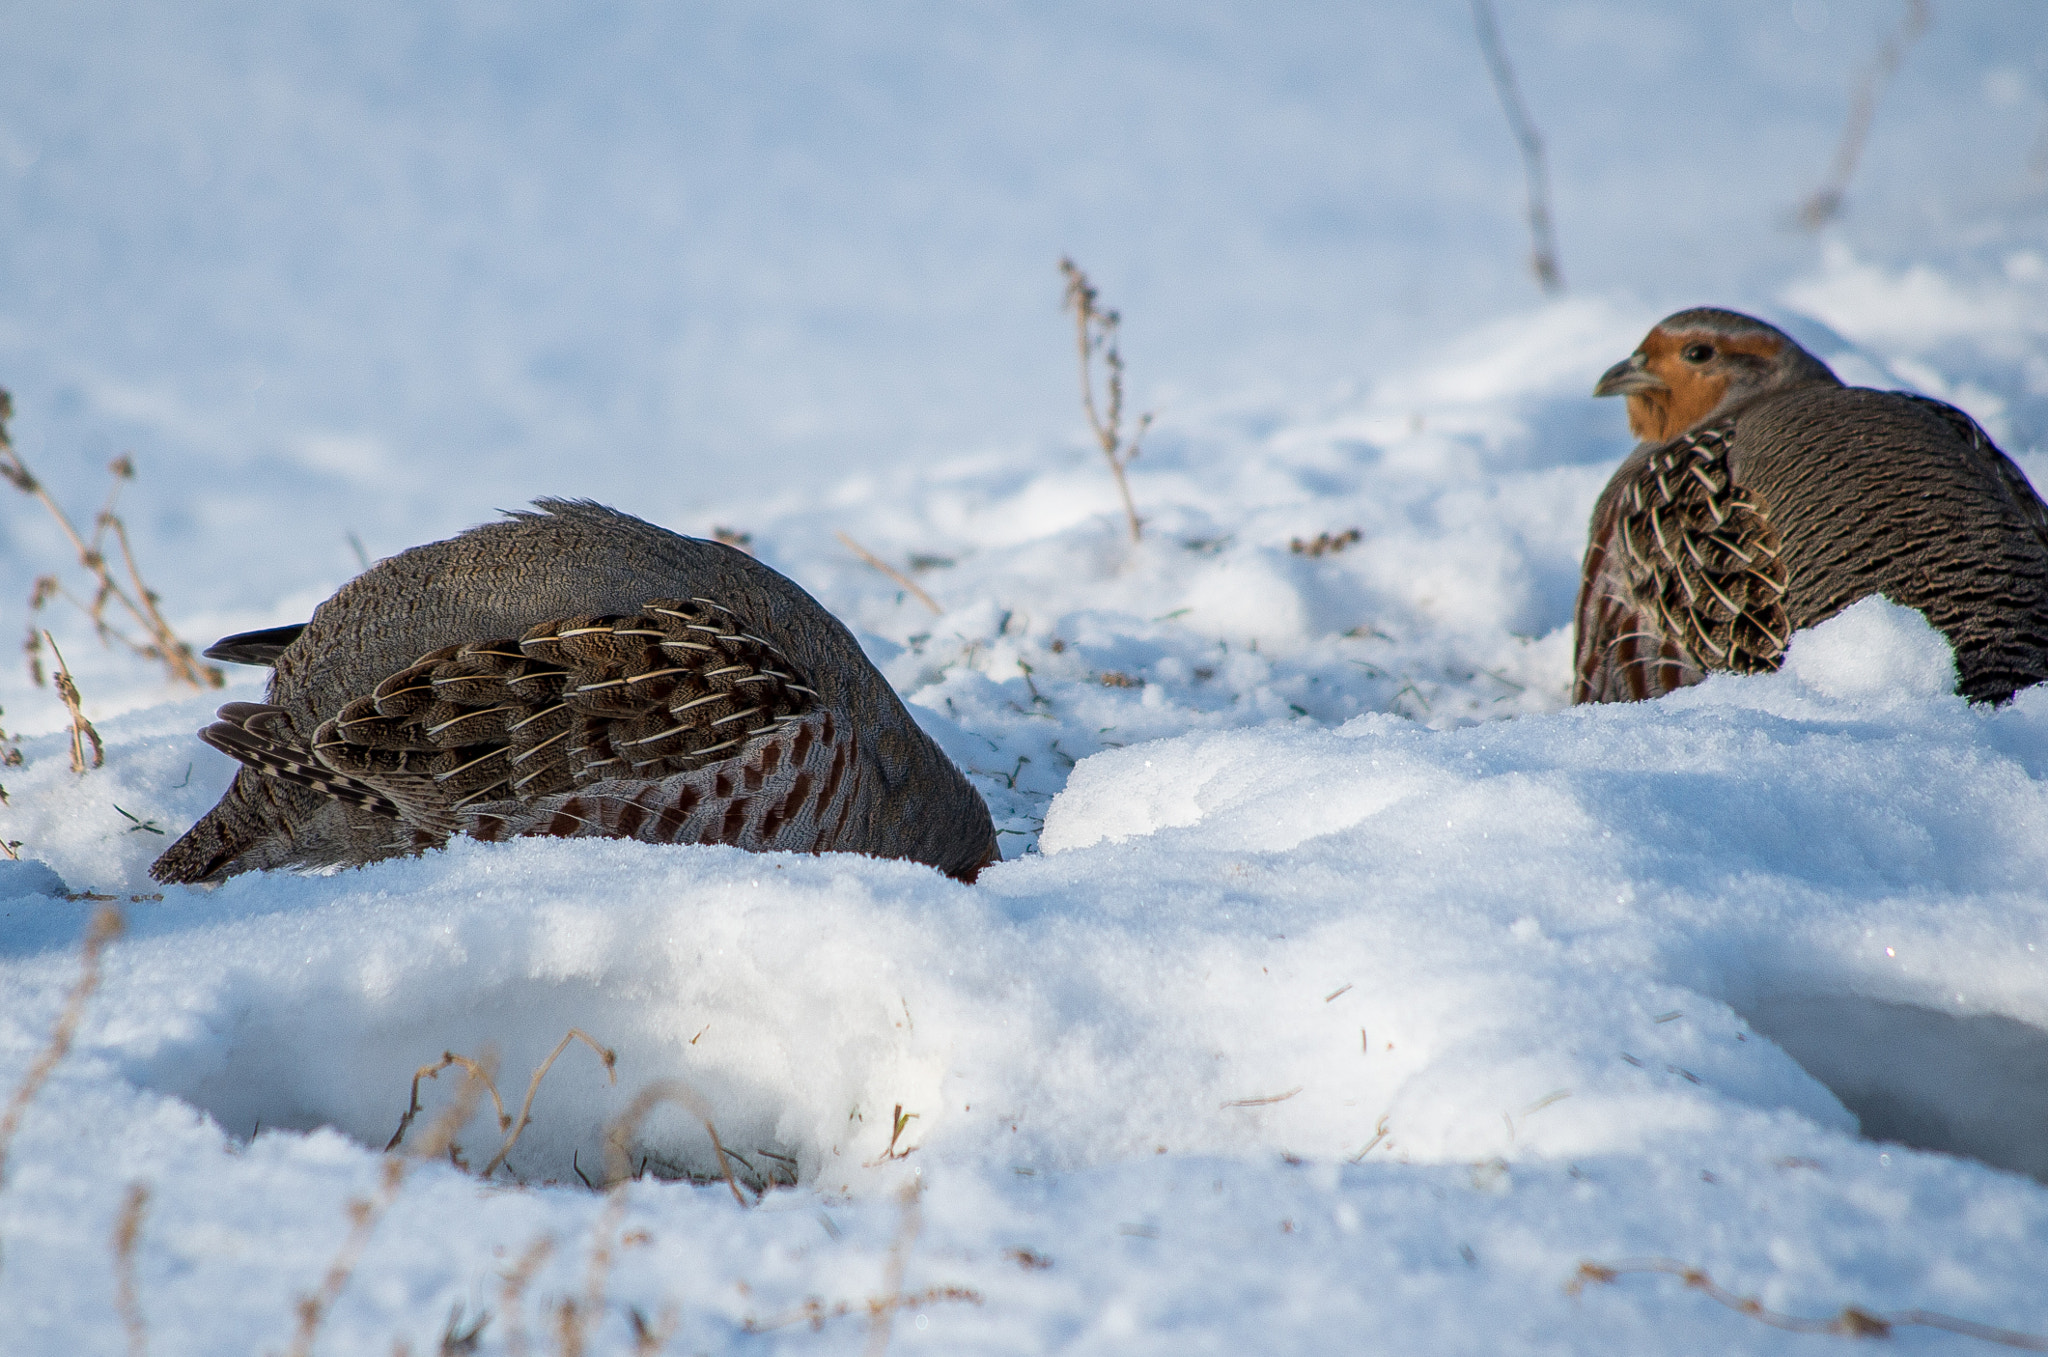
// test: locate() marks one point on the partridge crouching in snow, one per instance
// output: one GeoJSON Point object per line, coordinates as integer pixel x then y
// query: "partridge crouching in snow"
{"type": "Point", "coordinates": [1766, 496]}
{"type": "Point", "coordinates": [573, 672]}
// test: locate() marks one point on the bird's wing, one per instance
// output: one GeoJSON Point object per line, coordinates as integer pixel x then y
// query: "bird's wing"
{"type": "Point", "coordinates": [1682, 576]}
{"type": "Point", "coordinates": [576, 702]}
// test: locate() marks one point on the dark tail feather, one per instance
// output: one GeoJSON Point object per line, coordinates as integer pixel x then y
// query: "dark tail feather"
{"type": "Point", "coordinates": [255, 647]}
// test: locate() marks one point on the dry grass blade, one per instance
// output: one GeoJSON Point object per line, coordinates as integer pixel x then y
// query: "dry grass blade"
{"type": "Point", "coordinates": [81, 729]}
{"type": "Point", "coordinates": [134, 597]}
{"type": "Point", "coordinates": [1852, 1322]}
{"type": "Point", "coordinates": [572, 1321]}
{"type": "Point", "coordinates": [1535, 169]}
{"type": "Point", "coordinates": [1826, 203]}
{"type": "Point", "coordinates": [882, 1312]}
{"type": "Point", "coordinates": [604, 1053]}
{"type": "Point", "coordinates": [127, 1229]}
{"type": "Point", "coordinates": [107, 924]}
{"type": "Point", "coordinates": [433, 1071]}
{"type": "Point", "coordinates": [516, 1281]}
{"type": "Point", "coordinates": [365, 1212]}
{"type": "Point", "coordinates": [910, 585]}
{"type": "Point", "coordinates": [618, 1137]}
{"type": "Point", "coordinates": [1095, 331]}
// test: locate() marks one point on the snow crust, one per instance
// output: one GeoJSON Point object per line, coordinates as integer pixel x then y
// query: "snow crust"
{"type": "Point", "coordinates": [1343, 989]}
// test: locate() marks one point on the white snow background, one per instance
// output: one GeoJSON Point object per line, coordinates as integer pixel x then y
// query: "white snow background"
{"type": "Point", "coordinates": [1343, 990]}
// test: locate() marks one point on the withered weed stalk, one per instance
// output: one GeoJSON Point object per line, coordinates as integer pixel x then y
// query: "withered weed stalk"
{"type": "Point", "coordinates": [1542, 234]}
{"type": "Point", "coordinates": [909, 585]}
{"type": "Point", "coordinates": [1852, 1322]}
{"type": "Point", "coordinates": [156, 642]}
{"type": "Point", "coordinates": [10, 757]}
{"type": "Point", "coordinates": [106, 925]}
{"type": "Point", "coordinates": [365, 1212]}
{"type": "Point", "coordinates": [1826, 203]}
{"type": "Point", "coordinates": [618, 1137]}
{"type": "Point", "coordinates": [1095, 331]}
{"type": "Point", "coordinates": [127, 1230]}
{"type": "Point", "coordinates": [604, 1053]}
{"type": "Point", "coordinates": [880, 1309]}
{"type": "Point", "coordinates": [513, 1292]}
{"type": "Point", "coordinates": [81, 729]}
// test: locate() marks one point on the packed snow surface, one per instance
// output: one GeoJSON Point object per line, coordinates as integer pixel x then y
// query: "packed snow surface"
{"type": "Point", "coordinates": [1343, 988]}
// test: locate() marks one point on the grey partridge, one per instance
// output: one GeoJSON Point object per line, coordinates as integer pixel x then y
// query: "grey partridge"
{"type": "Point", "coordinates": [1766, 496]}
{"type": "Point", "coordinates": [573, 672]}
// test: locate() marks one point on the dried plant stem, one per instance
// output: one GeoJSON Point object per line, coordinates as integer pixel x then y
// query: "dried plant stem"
{"type": "Point", "coordinates": [882, 1313]}
{"type": "Point", "coordinates": [1826, 203]}
{"type": "Point", "coordinates": [604, 1053]}
{"type": "Point", "coordinates": [126, 1231]}
{"type": "Point", "coordinates": [1535, 168]}
{"type": "Point", "coordinates": [1852, 1322]}
{"type": "Point", "coordinates": [1095, 331]}
{"type": "Point", "coordinates": [81, 729]}
{"type": "Point", "coordinates": [107, 924]}
{"type": "Point", "coordinates": [910, 585]}
{"type": "Point", "coordinates": [516, 1281]}
{"type": "Point", "coordinates": [365, 1212]}
{"type": "Point", "coordinates": [572, 1321]}
{"type": "Point", "coordinates": [618, 1137]}
{"type": "Point", "coordinates": [433, 1071]}
{"type": "Point", "coordinates": [135, 598]}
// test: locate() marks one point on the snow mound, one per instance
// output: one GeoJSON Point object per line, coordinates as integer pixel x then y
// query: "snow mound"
{"type": "Point", "coordinates": [1873, 651]}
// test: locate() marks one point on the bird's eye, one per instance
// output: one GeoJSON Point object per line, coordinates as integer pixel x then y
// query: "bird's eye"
{"type": "Point", "coordinates": [1697, 353]}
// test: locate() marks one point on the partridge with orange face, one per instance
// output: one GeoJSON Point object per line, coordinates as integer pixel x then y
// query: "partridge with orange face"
{"type": "Point", "coordinates": [1766, 496]}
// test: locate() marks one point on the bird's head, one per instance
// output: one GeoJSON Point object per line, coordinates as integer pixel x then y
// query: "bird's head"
{"type": "Point", "coordinates": [1697, 363]}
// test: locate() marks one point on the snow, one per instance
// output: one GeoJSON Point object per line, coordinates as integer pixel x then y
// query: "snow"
{"type": "Point", "coordinates": [1343, 988]}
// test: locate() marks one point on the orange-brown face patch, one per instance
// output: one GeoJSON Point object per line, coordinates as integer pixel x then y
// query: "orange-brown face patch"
{"type": "Point", "coordinates": [1692, 393]}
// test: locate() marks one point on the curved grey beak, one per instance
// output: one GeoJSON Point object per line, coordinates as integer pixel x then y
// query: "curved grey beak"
{"type": "Point", "coordinates": [1626, 377]}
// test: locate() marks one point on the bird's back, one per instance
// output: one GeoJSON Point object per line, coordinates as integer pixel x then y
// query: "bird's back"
{"type": "Point", "coordinates": [1876, 492]}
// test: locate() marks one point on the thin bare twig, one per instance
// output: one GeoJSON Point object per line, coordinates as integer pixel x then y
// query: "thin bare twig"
{"type": "Point", "coordinates": [516, 1282]}
{"type": "Point", "coordinates": [135, 598]}
{"type": "Point", "coordinates": [127, 1230]}
{"type": "Point", "coordinates": [433, 1071]}
{"type": "Point", "coordinates": [604, 1053]}
{"type": "Point", "coordinates": [1535, 169]}
{"type": "Point", "coordinates": [1826, 203]}
{"type": "Point", "coordinates": [107, 924]}
{"type": "Point", "coordinates": [573, 1321]}
{"type": "Point", "coordinates": [365, 1212]}
{"type": "Point", "coordinates": [1852, 1322]}
{"type": "Point", "coordinates": [910, 585]}
{"type": "Point", "coordinates": [619, 1135]}
{"type": "Point", "coordinates": [1095, 331]}
{"type": "Point", "coordinates": [81, 729]}
{"type": "Point", "coordinates": [881, 1318]}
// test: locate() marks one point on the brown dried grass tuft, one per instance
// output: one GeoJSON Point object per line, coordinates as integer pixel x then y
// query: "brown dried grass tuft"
{"type": "Point", "coordinates": [1095, 331]}
{"type": "Point", "coordinates": [81, 729]}
{"type": "Point", "coordinates": [132, 596]}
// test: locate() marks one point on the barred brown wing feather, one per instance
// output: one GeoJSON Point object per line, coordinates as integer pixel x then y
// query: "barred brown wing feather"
{"type": "Point", "coordinates": [1684, 575]}
{"type": "Point", "coordinates": [580, 702]}
{"type": "Point", "coordinates": [791, 788]}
